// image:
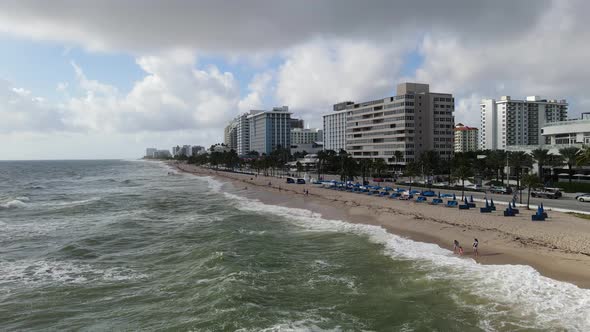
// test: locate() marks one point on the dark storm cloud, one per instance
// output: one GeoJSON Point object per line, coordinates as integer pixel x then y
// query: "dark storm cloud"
{"type": "Point", "coordinates": [226, 25]}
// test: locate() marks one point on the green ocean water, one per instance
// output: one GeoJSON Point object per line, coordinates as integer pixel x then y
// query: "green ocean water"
{"type": "Point", "coordinates": [124, 245]}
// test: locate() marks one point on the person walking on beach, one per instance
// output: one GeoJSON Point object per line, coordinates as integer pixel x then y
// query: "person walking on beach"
{"type": "Point", "coordinates": [455, 246]}
{"type": "Point", "coordinates": [475, 245]}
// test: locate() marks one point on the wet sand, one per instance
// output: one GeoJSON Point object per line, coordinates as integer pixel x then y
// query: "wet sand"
{"type": "Point", "coordinates": [558, 248]}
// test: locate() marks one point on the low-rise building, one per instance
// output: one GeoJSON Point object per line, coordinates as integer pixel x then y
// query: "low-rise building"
{"type": "Point", "coordinates": [306, 136]}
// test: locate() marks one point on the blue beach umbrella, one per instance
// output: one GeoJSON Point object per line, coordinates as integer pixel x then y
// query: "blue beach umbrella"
{"type": "Point", "coordinates": [454, 197]}
{"type": "Point", "coordinates": [471, 199]}
{"type": "Point", "coordinates": [491, 202]}
{"type": "Point", "coordinates": [439, 194]}
{"type": "Point", "coordinates": [487, 204]}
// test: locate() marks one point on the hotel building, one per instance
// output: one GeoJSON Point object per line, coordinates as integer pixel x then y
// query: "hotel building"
{"type": "Point", "coordinates": [509, 122]}
{"type": "Point", "coordinates": [466, 138]}
{"type": "Point", "coordinates": [269, 130]}
{"type": "Point", "coordinates": [413, 121]}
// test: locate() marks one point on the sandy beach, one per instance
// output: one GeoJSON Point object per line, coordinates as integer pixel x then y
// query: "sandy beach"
{"type": "Point", "coordinates": [558, 248]}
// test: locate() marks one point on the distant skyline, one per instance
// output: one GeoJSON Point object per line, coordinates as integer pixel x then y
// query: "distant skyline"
{"type": "Point", "coordinates": [106, 79]}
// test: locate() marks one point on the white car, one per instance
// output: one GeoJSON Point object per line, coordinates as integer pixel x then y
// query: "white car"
{"type": "Point", "coordinates": [583, 198]}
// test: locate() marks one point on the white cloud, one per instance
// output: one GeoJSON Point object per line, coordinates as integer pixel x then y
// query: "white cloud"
{"type": "Point", "coordinates": [22, 112]}
{"type": "Point", "coordinates": [259, 87]}
{"type": "Point", "coordinates": [316, 75]}
{"type": "Point", "coordinates": [174, 95]}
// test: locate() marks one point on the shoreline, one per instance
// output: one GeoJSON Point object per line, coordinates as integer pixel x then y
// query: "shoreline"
{"type": "Point", "coordinates": [558, 248]}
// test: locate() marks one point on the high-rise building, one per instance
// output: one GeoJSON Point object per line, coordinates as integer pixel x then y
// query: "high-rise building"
{"type": "Point", "coordinates": [175, 151]}
{"type": "Point", "coordinates": [466, 138]}
{"type": "Point", "coordinates": [413, 121]}
{"type": "Point", "coordinates": [243, 133]}
{"type": "Point", "coordinates": [150, 152]}
{"type": "Point", "coordinates": [230, 135]}
{"type": "Point", "coordinates": [510, 122]}
{"type": "Point", "coordinates": [269, 130]}
{"type": "Point", "coordinates": [306, 136]}
{"type": "Point", "coordinates": [335, 127]}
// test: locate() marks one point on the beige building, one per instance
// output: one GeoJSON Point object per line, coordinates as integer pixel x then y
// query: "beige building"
{"type": "Point", "coordinates": [466, 138]}
{"type": "Point", "coordinates": [413, 121]}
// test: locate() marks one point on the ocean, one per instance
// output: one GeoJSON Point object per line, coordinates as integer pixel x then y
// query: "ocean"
{"type": "Point", "coordinates": [134, 245]}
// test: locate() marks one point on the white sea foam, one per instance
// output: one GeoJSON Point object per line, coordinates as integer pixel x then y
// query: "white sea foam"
{"type": "Point", "coordinates": [32, 272]}
{"type": "Point", "coordinates": [548, 302]}
{"type": "Point", "coordinates": [13, 204]}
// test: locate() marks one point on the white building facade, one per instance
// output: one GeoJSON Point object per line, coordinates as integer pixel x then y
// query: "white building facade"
{"type": "Point", "coordinates": [508, 122]}
{"type": "Point", "coordinates": [335, 128]}
{"type": "Point", "coordinates": [414, 121]}
{"type": "Point", "coordinates": [306, 136]}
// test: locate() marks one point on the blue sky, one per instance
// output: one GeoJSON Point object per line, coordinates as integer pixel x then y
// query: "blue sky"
{"type": "Point", "coordinates": [165, 74]}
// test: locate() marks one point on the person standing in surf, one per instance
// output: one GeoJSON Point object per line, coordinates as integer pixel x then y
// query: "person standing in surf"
{"type": "Point", "coordinates": [455, 246]}
{"type": "Point", "coordinates": [475, 246]}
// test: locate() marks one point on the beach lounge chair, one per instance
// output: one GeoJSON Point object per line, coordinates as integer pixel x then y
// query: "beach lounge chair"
{"type": "Point", "coordinates": [436, 201]}
{"type": "Point", "coordinates": [395, 195]}
{"type": "Point", "coordinates": [514, 209]}
{"type": "Point", "coordinates": [465, 205]}
{"type": "Point", "coordinates": [383, 193]}
{"type": "Point", "coordinates": [421, 199]}
{"type": "Point", "coordinates": [471, 202]}
{"type": "Point", "coordinates": [509, 212]}
{"type": "Point", "coordinates": [485, 209]}
{"type": "Point", "coordinates": [540, 215]}
{"type": "Point", "coordinates": [451, 204]}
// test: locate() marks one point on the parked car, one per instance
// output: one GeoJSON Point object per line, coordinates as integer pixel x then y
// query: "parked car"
{"type": "Point", "coordinates": [552, 193]}
{"type": "Point", "coordinates": [290, 180]}
{"type": "Point", "coordinates": [300, 181]}
{"type": "Point", "coordinates": [378, 180]}
{"type": "Point", "coordinates": [501, 190]}
{"type": "Point", "coordinates": [474, 186]}
{"type": "Point", "coordinates": [583, 198]}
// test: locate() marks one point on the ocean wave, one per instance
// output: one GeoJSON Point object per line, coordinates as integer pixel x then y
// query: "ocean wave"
{"type": "Point", "coordinates": [31, 272]}
{"type": "Point", "coordinates": [13, 204]}
{"type": "Point", "coordinates": [547, 302]}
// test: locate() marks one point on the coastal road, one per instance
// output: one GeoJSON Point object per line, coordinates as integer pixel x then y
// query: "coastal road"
{"type": "Point", "coordinates": [560, 203]}
{"type": "Point", "coordinates": [568, 203]}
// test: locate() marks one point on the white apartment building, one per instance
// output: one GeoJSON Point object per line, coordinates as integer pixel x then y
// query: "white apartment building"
{"type": "Point", "coordinates": [335, 128]}
{"type": "Point", "coordinates": [508, 122]}
{"type": "Point", "coordinates": [306, 136]}
{"type": "Point", "coordinates": [230, 135]}
{"type": "Point", "coordinates": [269, 130]}
{"type": "Point", "coordinates": [243, 133]}
{"type": "Point", "coordinates": [466, 138]}
{"type": "Point", "coordinates": [413, 121]}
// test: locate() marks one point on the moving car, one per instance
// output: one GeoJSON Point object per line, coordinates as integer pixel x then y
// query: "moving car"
{"type": "Point", "coordinates": [300, 181]}
{"type": "Point", "coordinates": [290, 180]}
{"type": "Point", "coordinates": [552, 193]}
{"type": "Point", "coordinates": [501, 190]}
{"type": "Point", "coordinates": [583, 198]}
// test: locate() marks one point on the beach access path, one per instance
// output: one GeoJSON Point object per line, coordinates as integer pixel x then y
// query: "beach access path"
{"type": "Point", "coordinates": [558, 248]}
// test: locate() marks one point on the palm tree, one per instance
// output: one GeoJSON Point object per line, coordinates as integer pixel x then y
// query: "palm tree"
{"type": "Point", "coordinates": [496, 161]}
{"type": "Point", "coordinates": [519, 160]}
{"type": "Point", "coordinates": [583, 157]}
{"type": "Point", "coordinates": [399, 156]}
{"type": "Point", "coordinates": [379, 165]}
{"type": "Point", "coordinates": [530, 181]}
{"type": "Point", "coordinates": [411, 171]}
{"type": "Point", "coordinates": [299, 168]}
{"type": "Point", "coordinates": [462, 169]}
{"type": "Point", "coordinates": [541, 156]}
{"type": "Point", "coordinates": [322, 155]}
{"type": "Point", "coordinates": [365, 165]}
{"type": "Point", "coordinates": [569, 155]}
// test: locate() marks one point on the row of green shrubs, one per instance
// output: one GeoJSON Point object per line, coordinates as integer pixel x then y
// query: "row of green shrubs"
{"type": "Point", "coordinates": [574, 187]}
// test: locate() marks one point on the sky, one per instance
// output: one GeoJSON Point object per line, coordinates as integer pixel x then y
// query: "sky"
{"type": "Point", "coordinates": [107, 79]}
